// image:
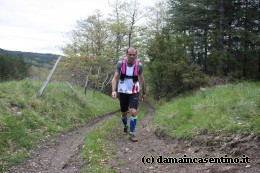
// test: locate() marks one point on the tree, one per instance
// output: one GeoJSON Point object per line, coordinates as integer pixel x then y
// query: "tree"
{"type": "Point", "coordinates": [118, 27]}
{"type": "Point", "coordinates": [124, 25]}
{"type": "Point", "coordinates": [88, 50]}
{"type": "Point", "coordinates": [172, 72]}
{"type": "Point", "coordinates": [13, 68]}
{"type": "Point", "coordinates": [89, 37]}
{"type": "Point", "coordinates": [222, 32]}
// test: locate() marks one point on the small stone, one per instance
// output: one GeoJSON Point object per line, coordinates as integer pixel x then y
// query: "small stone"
{"type": "Point", "coordinates": [151, 167]}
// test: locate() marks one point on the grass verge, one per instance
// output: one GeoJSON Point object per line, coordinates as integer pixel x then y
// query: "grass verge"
{"type": "Point", "coordinates": [100, 145]}
{"type": "Point", "coordinates": [232, 108]}
{"type": "Point", "coordinates": [26, 119]}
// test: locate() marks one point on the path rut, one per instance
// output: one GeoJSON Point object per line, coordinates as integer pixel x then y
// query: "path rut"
{"type": "Point", "coordinates": [64, 155]}
{"type": "Point", "coordinates": [131, 156]}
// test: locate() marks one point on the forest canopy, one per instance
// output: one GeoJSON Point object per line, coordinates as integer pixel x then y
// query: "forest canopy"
{"type": "Point", "coordinates": [183, 44]}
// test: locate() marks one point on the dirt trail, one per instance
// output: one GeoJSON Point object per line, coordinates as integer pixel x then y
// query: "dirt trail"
{"type": "Point", "coordinates": [131, 155]}
{"type": "Point", "coordinates": [64, 155]}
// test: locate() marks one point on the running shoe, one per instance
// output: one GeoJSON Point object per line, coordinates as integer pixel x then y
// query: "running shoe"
{"type": "Point", "coordinates": [133, 138]}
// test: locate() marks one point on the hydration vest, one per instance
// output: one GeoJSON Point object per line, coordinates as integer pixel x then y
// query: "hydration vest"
{"type": "Point", "coordinates": [123, 70]}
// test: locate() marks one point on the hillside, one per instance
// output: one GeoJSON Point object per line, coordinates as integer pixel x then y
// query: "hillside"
{"type": "Point", "coordinates": [26, 119]}
{"type": "Point", "coordinates": [34, 59]}
{"type": "Point", "coordinates": [225, 109]}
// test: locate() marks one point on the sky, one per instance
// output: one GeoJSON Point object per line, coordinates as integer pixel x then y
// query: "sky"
{"type": "Point", "coordinates": [42, 25]}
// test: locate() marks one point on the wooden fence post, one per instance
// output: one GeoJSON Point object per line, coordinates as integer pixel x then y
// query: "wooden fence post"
{"type": "Point", "coordinates": [49, 77]}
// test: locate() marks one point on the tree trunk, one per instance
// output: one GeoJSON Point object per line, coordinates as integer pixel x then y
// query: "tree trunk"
{"type": "Point", "coordinates": [131, 28]}
{"type": "Point", "coordinates": [221, 26]}
{"type": "Point", "coordinates": [205, 50]}
{"type": "Point", "coordinates": [246, 42]}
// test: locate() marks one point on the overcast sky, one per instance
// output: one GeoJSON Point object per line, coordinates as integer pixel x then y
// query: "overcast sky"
{"type": "Point", "coordinates": [41, 25]}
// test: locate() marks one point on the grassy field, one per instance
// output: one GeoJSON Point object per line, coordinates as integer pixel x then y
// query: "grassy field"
{"type": "Point", "coordinates": [231, 108]}
{"type": "Point", "coordinates": [26, 119]}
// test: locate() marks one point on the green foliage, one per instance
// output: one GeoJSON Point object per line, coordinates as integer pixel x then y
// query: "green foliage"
{"type": "Point", "coordinates": [91, 57]}
{"type": "Point", "coordinates": [232, 108]}
{"type": "Point", "coordinates": [98, 149]}
{"type": "Point", "coordinates": [97, 70]}
{"type": "Point", "coordinates": [26, 119]}
{"type": "Point", "coordinates": [32, 59]}
{"type": "Point", "coordinates": [218, 61]}
{"type": "Point", "coordinates": [12, 68]}
{"type": "Point", "coordinates": [224, 35]}
{"type": "Point", "coordinates": [203, 38]}
{"type": "Point", "coordinates": [172, 73]}
{"type": "Point", "coordinates": [109, 37]}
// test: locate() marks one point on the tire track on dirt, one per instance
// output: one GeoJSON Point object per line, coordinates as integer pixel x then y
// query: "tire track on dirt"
{"type": "Point", "coordinates": [64, 155]}
{"type": "Point", "coordinates": [129, 155]}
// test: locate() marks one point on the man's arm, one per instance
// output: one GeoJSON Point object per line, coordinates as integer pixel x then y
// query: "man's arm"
{"type": "Point", "coordinates": [114, 81]}
{"type": "Point", "coordinates": [142, 82]}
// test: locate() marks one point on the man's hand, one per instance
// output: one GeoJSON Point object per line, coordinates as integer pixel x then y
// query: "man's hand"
{"type": "Point", "coordinates": [142, 98]}
{"type": "Point", "coordinates": [113, 94]}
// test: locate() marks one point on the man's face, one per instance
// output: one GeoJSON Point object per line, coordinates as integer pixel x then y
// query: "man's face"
{"type": "Point", "coordinates": [131, 55]}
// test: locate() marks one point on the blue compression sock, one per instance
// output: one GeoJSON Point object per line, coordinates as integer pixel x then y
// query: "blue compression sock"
{"type": "Point", "coordinates": [132, 124]}
{"type": "Point", "coordinates": [124, 120]}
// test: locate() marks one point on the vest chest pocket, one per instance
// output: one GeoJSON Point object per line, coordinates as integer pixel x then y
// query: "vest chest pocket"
{"type": "Point", "coordinates": [122, 86]}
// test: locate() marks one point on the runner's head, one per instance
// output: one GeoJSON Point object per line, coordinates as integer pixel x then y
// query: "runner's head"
{"type": "Point", "coordinates": [131, 55]}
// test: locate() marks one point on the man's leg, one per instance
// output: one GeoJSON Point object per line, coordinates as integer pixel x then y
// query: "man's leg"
{"type": "Point", "coordinates": [133, 112]}
{"type": "Point", "coordinates": [133, 120]}
{"type": "Point", "coordinates": [124, 103]}
{"type": "Point", "coordinates": [124, 120]}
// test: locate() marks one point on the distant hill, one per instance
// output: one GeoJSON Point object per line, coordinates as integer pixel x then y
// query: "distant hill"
{"type": "Point", "coordinates": [35, 59]}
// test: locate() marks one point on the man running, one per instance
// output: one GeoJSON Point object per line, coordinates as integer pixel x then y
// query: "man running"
{"type": "Point", "coordinates": [130, 72]}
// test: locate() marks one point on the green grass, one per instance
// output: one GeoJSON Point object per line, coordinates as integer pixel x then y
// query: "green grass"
{"type": "Point", "coordinates": [232, 108]}
{"type": "Point", "coordinates": [26, 119]}
{"type": "Point", "coordinates": [98, 149]}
